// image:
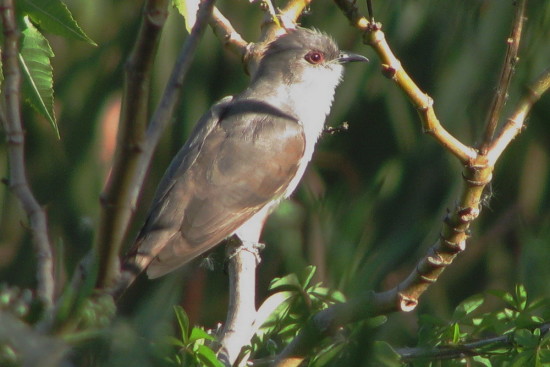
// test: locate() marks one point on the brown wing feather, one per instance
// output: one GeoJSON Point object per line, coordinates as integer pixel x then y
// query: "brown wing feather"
{"type": "Point", "coordinates": [244, 162]}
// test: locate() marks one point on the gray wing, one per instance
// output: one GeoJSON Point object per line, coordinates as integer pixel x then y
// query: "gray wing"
{"type": "Point", "coordinates": [238, 161]}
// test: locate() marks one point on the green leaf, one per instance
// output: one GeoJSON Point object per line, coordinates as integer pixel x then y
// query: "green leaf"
{"type": "Point", "coordinates": [54, 17]}
{"type": "Point", "coordinates": [503, 295]}
{"type": "Point", "coordinates": [521, 297]}
{"type": "Point", "coordinates": [183, 322]}
{"type": "Point", "coordinates": [482, 361]}
{"type": "Point", "coordinates": [188, 9]}
{"type": "Point", "coordinates": [526, 339]}
{"type": "Point", "coordinates": [384, 355]}
{"type": "Point", "coordinates": [174, 341]}
{"type": "Point", "coordinates": [327, 354]}
{"type": "Point", "coordinates": [199, 334]}
{"type": "Point", "coordinates": [37, 83]}
{"type": "Point", "coordinates": [544, 355]}
{"type": "Point", "coordinates": [377, 321]}
{"type": "Point", "coordinates": [288, 282]}
{"type": "Point", "coordinates": [208, 357]}
{"type": "Point", "coordinates": [270, 310]}
{"type": "Point", "coordinates": [467, 306]}
{"type": "Point", "coordinates": [523, 359]}
{"type": "Point", "coordinates": [307, 275]}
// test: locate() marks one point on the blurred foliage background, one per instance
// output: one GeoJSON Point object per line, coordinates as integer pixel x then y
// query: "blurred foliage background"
{"type": "Point", "coordinates": [373, 199]}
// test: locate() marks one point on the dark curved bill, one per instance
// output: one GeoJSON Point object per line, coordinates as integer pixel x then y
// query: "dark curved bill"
{"type": "Point", "coordinates": [346, 57]}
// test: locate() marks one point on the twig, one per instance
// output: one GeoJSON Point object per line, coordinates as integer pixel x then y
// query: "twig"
{"type": "Point", "coordinates": [516, 122]}
{"type": "Point", "coordinates": [462, 350]}
{"type": "Point", "coordinates": [119, 197]}
{"type": "Point", "coordinates": [241, 313]}
{"type": "Point", "coordinates": [227, 34]}
{"type": "Point", "coordinates": [506, 73]}
{"type": "Point", "coordinates": [392, 69]}
{"type": "Point", "coordinates": [15, 138]}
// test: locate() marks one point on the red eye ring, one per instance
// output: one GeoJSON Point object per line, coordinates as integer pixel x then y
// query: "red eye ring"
{"type": "Point", "coordinates": [314, 57]}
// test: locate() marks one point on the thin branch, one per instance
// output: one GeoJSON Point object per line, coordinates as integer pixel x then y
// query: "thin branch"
{"type": "Point", "coordinates": [515, 122]}
{"type": "Point", "coordinates": [119, 197]}
{"type": "Point", "coordinates": [241, 313]}
{"type": "Point", "coordinates": [506, 73]}
{"type": "Point", "coordinates": [15, 138]}
{"type": "Point", "coordinates": [392, 69]}
{"type": "Point", "coordinates": [290, 14]}
{"type": "Point", "coordinates": [471, 349]}
{"type": "Point", "coordinates": [225, 31]}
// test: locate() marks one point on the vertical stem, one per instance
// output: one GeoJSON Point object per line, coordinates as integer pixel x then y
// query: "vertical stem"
{"type": "Point", "coordinates": [119, 197]}
{"type": "Point", "coordinates": [508, 67]}
{"type": "Point", "coordinates": [15, 138]}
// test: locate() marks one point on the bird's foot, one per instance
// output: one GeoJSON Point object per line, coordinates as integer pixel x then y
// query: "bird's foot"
{"type": "Point", "coordinates": [253, 247]}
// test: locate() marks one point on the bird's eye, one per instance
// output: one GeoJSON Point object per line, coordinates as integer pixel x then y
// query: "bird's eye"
{"type": "Point", "coordinates": [314, 57]}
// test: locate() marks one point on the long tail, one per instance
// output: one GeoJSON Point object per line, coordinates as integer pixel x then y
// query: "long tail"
{"type": "Point", "coordinates": [133, 264]}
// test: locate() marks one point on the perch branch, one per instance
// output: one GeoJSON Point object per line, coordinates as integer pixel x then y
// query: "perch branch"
{"type": "Point", "coordinates": [510, 60]}
{"type": "Point", "coordinates": [15, 138]}
{"type": "Point", "coordinates": [119, 197]}
{"type": "Point", "coordinates": [241, 313]}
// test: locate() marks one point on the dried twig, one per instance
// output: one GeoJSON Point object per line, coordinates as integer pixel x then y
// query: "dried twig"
{"type": "Point", "coordinates": [15, 136]}
{"type": "Point", "coordinates": [506, 73]}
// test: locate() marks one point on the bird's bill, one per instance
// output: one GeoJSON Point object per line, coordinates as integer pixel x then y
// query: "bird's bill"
{"type": "Point", "coordinates": [346, 57]}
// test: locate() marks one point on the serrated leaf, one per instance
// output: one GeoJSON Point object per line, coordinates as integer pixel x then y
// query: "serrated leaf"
{"type": "Point", "coordinates": [188, 9]}
{"type": "Point", "coordinates": [53, 16]}
{"type": "Point", "coordinates": [37, 81]}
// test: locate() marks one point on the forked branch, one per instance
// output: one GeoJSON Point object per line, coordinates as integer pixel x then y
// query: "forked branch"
{"type": "Point", "coordinates": [477, 174]}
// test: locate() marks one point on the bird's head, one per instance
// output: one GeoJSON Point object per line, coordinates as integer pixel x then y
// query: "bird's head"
{"type": "Point", "coordinates": [305, 55]}
{"type": "Point", "coordinates": [302, 69]}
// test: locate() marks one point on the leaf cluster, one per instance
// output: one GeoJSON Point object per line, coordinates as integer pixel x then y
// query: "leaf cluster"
{"type": "Point", "coordinates": [514, 335]}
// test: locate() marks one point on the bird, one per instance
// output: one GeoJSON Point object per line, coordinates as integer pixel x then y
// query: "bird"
{"type": "Point", "coordinates": [245, 154]}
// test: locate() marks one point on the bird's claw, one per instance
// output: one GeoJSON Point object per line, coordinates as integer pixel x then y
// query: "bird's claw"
{"type": "Point", "coordinates": [253, 247]}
